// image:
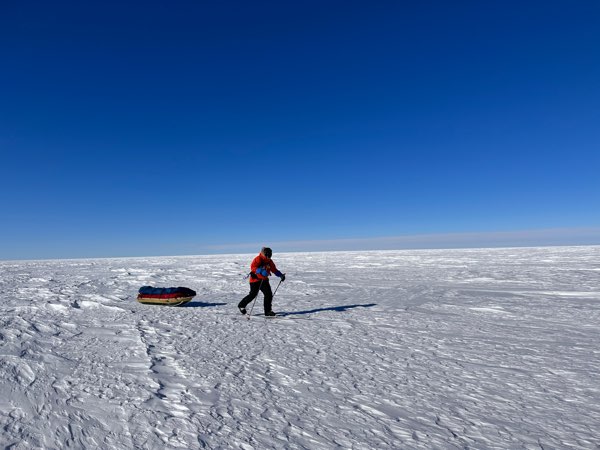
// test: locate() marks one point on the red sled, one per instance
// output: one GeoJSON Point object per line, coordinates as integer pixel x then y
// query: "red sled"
{"type": "Point", "coordinates": [173, 296]}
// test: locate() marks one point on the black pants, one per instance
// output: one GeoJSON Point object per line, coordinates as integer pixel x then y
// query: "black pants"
{"type": "Point", "coordinates": [265, 287]}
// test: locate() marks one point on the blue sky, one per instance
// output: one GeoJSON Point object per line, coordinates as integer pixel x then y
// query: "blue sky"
{"type": "Point", "coordinates": [164, 128]}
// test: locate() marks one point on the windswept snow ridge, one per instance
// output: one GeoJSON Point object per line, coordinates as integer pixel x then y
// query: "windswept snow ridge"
{"type": "Point", "coordinates": [399, 349]}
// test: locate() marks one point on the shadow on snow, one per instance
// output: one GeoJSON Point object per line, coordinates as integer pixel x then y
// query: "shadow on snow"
{"type": "Point", "coordinates": [334, 308]}
{"type": "Point", "coordinates": [197, 304]}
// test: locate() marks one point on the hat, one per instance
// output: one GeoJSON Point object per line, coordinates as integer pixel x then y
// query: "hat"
{"type": "Point", "coordinates": [267, 252]}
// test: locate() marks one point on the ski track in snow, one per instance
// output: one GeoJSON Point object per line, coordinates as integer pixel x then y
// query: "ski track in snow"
{"type": "Point", "coordinates": [481, 348]}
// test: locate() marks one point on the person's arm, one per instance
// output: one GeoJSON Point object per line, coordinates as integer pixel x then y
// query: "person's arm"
{"type": "Point", "coordinates": [253, 266]}
{"type": "Point", "coordinates": [277, 272]}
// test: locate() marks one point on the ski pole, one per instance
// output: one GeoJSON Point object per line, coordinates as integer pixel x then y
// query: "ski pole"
{"type": "Point", "coordinates": [254, 301]}
{"type": "Point", "coordinates": [276, 289]}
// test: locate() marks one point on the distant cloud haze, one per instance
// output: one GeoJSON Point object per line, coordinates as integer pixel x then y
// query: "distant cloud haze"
{"type": "Point", "coordinates": [523, 238]}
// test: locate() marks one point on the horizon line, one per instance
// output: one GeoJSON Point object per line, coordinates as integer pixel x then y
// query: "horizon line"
{"type": "Point", "coordinates": [547, 237]}
{"type": "Point", "coordinates": [574, 236]}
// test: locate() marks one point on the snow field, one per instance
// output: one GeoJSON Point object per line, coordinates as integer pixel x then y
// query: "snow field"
{"type": "Point", "coordinates": [401, 349]}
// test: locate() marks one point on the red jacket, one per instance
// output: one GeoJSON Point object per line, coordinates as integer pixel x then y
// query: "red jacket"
{"type": "Point", "coordinates": [264, 262]}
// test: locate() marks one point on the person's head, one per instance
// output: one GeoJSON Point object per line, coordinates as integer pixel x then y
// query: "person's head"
{"type": "Point", "coordinates": [266, 251]}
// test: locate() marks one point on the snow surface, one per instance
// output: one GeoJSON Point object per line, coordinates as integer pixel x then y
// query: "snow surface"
{"type": "Point", "coordinates": [485, 348]}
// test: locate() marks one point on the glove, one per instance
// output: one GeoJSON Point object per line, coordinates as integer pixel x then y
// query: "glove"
{"type": "Point", "coordinates": [262, 271]}
{"type": "Point", "coordinates": [280, 275]}
{"type": "Point", "coordinates": [253, 276]}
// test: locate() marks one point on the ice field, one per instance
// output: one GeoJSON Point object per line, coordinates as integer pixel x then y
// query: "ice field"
{"type": "Point", "coordinates": [477, 348]}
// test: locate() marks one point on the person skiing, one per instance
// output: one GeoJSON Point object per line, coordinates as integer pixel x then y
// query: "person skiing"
{"type": "Point", "coordinates": [261, 267]}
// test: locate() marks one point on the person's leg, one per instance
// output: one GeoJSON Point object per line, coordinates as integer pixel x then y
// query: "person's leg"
{"type": "Point", "coordinates": [251, 296]}
{"type": "Point", "coordinates": [266, 290]}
